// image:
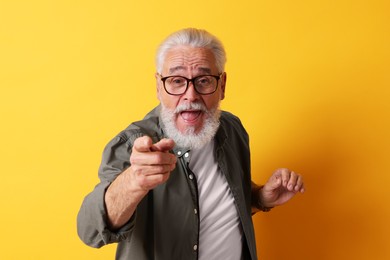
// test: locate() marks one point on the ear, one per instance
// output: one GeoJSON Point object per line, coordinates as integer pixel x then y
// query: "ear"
{"type": "Point", "coordinates": [223, 85]}
{"type": "Point", "coordinates": [158, 82]}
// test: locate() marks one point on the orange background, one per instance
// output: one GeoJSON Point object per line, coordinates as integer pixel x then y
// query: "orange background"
{"type": "Point", "coordinates": [309, 79]}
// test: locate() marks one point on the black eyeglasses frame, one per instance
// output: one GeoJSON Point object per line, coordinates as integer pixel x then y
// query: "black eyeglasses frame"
{"type": "Point", "coordinates": [163, 79]}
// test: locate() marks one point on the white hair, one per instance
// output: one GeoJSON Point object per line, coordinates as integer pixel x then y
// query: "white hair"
{"type": "Point", "coordinates": [197, 38]}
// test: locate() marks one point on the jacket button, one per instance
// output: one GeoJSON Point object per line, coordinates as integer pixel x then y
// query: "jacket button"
{"type": "Point", "coordinates": [195, 211]}
{"type": "Point", "coordinates": [195, 247]}
{"type": "Point", "coordinates": [191, 176]}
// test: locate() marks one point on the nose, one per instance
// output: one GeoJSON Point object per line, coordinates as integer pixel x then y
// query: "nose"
{"type": "Point", "coordinates": [191, 94]}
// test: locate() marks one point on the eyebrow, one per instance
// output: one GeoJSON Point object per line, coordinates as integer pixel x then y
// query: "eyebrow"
{"type": "Point", "coordinates": [174, 69]}
{"type": "Point", "coordinates": [204, 70]}
{"type": "Point", "coordinates": [200, 69]}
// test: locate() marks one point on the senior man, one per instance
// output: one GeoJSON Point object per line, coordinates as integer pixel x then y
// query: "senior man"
{"type": "Point", "coordinates": [177, 184]}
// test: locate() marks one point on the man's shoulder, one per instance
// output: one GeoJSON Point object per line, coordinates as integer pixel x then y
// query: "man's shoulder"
{"type": "Point", "coordinates": [226, 115]}
{"type": "Point", "coordinates": [231, 125]}
{"type": "Point", "coordinates": [232, 133]}
{"type": "Point", "coordinates": [149, 125]}
{"type": "Point", "coordinates": [229, 119]}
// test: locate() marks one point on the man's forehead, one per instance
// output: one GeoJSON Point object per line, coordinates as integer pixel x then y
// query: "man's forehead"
{"type": "Point", "coordinates": [185, 58]}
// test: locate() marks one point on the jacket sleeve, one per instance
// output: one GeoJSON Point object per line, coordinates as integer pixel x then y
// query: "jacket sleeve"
{"type": "Point", "coordinates": [92, 225]}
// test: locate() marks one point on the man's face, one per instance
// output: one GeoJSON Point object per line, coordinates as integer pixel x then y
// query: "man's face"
{"type": "Point", "coordinates": [190, 62]}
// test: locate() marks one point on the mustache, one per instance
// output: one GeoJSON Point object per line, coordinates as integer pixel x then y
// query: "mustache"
{"type": "Point", "coordinates": [190, 106]}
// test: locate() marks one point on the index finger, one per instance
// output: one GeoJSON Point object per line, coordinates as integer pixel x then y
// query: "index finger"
{"type": "Point", "coordinates": [164, 145]}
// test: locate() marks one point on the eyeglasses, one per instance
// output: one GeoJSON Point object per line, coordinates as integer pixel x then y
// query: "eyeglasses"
{"type": "Point", "coordinates": [178, 85]}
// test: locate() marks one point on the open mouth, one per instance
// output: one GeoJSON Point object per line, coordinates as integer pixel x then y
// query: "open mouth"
{"type": "Point", "coordinates": [190, 115]}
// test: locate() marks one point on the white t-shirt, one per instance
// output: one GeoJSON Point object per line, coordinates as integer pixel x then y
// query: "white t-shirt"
{"type": "Point", "coordinates": [220, 229]}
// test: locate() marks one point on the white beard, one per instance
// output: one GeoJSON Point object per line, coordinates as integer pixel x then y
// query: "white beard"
{"type": "Point", "coordinates": [189, 138]}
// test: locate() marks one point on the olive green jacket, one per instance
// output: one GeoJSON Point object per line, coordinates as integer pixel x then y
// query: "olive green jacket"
{"type": "Point", "coordinates": [165, 225]}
